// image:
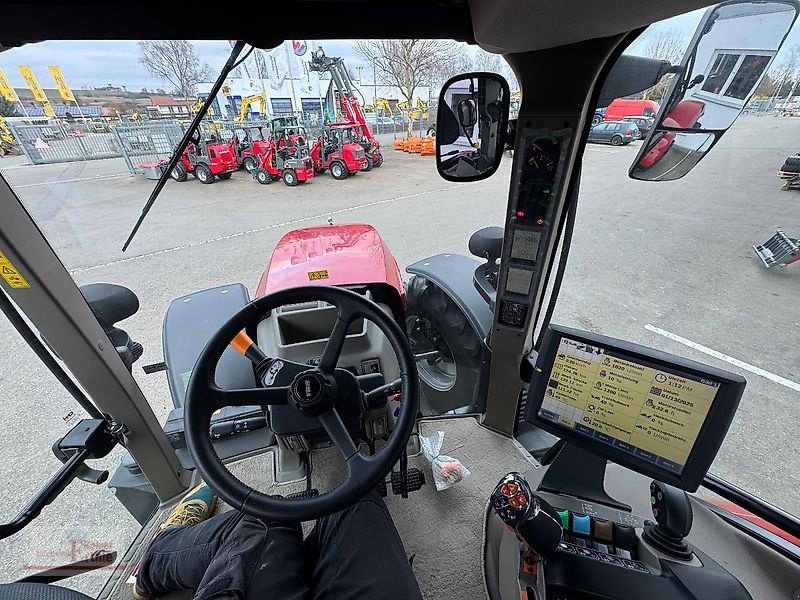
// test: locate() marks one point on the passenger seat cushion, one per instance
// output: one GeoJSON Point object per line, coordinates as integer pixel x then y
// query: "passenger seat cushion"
{"type": "Point", "coordinates": [38, 591]}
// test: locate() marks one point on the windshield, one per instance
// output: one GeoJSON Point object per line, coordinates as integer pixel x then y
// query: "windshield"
{"type": "Point", "coordinates": [668, 265]}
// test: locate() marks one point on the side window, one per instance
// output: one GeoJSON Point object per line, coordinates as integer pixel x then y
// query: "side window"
{"type": "Point", "coordinates": [719, 72]}
{"type": "Point", "coordinates": [732, 75]}
{"type": "Point", "coordinates": [750, 70]}
{"type": "Point", "coordinates": [615, 126]}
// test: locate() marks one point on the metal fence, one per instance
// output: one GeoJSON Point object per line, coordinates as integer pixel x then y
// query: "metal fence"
{"type": "Point", "coordinates": [143, 145]}
{"type": "Point", "coordinates": [66, 142]}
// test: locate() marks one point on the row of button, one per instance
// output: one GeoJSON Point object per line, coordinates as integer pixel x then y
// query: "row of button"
{"type": "Point", "coordinates": [595, 545]}
{"type": "Point", "coordinates": [606, 532]}
{"type": "Point", "coordinates": [603, 557]}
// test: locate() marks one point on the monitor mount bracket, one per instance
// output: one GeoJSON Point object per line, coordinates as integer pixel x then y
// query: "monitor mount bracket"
{"type": "Point", "coordinates": [579, 473]}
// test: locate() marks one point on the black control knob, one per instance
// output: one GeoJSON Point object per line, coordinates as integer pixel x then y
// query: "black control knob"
{"type": "Point", "coordinates": [530, 516]}
{"type": "Point", "coordinates": [625, 537]}
{"type": "Point", "coordinates": [673, 514]}
{"type": "Point", "coordinates": [671, 509]}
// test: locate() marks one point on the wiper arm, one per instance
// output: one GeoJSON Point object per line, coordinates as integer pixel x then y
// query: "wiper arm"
{"type": "Point", "coordinates": [230, 65]}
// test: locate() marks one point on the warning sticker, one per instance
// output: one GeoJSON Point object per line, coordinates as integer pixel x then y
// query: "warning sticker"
{"type": "Point", "coordinates": [317, 275]}
{"type": "Point", "coordinates": [10, 273]}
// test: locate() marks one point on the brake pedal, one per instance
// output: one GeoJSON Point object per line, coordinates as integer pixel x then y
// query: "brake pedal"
{"type": "Point", "coordinates": [415, 479]}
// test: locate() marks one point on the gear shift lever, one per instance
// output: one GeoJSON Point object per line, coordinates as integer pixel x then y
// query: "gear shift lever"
{"type": "Point", "coordinates": [673, 515]}
{"type": "Point", "coordinates": [533, 520]}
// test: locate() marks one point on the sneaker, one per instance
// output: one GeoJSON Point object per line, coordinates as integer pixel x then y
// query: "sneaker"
{"type": "Point", "coordinates": [195, 507]}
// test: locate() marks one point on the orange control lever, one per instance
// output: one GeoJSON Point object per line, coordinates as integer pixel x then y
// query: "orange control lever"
{"type": "Point", "coordinates": [245, 346]}
{"type": "Point", "coordinates": [242, 342]}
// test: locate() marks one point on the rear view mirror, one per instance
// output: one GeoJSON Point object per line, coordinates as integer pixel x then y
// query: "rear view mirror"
{"type": "Point", "coordinates": [471, 126]}
{"type": "Point", "coordinates": [467, 114]}
{"type": "Point", "coordinates": [730, 52]}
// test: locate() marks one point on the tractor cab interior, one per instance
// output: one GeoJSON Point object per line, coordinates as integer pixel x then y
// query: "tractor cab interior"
{"type": "Point", "coordinates": [567, 464]}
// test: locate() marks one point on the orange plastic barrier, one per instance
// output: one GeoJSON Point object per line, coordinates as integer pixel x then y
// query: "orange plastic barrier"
{"type": "Point", "coordinates": [416, 145]}
{"type": "Point", "coordinates": [410, 144]}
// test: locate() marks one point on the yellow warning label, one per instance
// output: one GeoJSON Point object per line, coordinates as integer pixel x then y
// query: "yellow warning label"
{"type": "Point", "coordinates": [317, 275]}
{"type": "Point", "coordinates": [11, 274]}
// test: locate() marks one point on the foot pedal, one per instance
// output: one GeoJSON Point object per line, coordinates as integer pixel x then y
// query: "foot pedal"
{"type": "Point", "coordinates": [305, 495]}
{"type": "Point", "coordinates": [381, 488]}
{"type": "Point", "coordinates": [415, 479]}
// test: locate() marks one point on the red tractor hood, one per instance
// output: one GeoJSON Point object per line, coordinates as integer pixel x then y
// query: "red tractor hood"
{"type": "Point", "coordinates": [339, 255]}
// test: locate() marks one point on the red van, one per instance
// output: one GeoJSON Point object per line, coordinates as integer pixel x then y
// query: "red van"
{"type": "Point", "coordinates": [629, 107]}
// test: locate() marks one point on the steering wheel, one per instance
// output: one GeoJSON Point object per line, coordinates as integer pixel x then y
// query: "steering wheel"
{"type": "Point", "coordinates": [314, 392]}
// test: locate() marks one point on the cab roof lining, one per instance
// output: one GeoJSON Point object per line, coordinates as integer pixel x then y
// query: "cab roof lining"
{"type": "Point", "coordinates": [502, 26]}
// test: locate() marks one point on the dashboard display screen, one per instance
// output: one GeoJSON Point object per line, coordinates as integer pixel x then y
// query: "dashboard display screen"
{"type": "Point", "coordinates": [649, 411]}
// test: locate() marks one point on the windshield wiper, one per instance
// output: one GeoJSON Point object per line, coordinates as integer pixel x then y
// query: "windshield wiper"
{"type": "Point", "coordinates": [230, 65]}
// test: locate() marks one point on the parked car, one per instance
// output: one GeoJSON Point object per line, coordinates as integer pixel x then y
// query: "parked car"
{"type": "Point", "coordinates": [615, 133]}
{"type": "Point", "coordinates": [624, 107]}
{"type": "Point", "coordinates": [373, 119]}
{"type": "Point", "coordinates": [645, 124]}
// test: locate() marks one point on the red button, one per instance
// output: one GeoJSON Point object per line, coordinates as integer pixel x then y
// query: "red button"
{"type": "Point", "coordinates": [521, 500]}
{"type": "Point", "coordinates": [513, 488]}
{"type": "Point", "coordinates": [514, 502]}
{"type": "Point", "coordinates": [504, 490]}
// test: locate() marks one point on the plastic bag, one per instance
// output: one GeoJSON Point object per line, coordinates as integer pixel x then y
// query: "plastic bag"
{"type": "Point", "coordinates": [447, 471]}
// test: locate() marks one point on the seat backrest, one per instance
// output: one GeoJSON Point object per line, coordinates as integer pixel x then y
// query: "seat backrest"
{"type": "Point", "coordinates": [38, 591]}
{"type": "Point", "coordinates": [487, 243]}
{"type": "Point", "coordinates": [110, 303]}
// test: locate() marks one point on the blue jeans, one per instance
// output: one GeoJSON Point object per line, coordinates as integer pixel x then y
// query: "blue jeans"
{"type": "Point", "coordinates": [355, 554]}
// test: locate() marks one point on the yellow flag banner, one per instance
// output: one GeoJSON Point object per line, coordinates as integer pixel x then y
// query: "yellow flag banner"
{"type": "Point", "coordinates": [47, 109]}
{"type": "Point", "coordinates": [36, 89]}
{"type": "Point", "coordinates": [61, 83]}
{"type": "Point", "coordinates": [33, 84]}
{"type": "Point", "coordinates": [6, 90]}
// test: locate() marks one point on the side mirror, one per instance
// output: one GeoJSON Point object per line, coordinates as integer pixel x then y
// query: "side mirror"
{"type": "Point", "coordinates": [734, 45]}
{"type": "Point", "coordinates": [471, 126]}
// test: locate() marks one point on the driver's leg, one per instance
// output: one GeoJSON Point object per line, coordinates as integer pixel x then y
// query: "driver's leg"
{"type": "Point", "coordinates": [359, 555]}
{"type": "Point", "coordinates": [258, 562]}
{"type": "Point", "coordinates": [229, 556]}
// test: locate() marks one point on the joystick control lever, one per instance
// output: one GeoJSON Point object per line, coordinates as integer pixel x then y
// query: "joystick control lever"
{"type": "Point", "coordinates": [673, 514]}
{"type": "Point", "coordinates": [527, 514]}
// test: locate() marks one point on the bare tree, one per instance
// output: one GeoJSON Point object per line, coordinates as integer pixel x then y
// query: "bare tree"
{"type": "Point", "coordinates": [174, 61]}
{"type": "Point", "coordinates": [786, 75]}
{"type": "Point", "coordinates": [407, 64]}
{"type": "Point", "coordinates": [461, 61]}
{"type": "Point", "coordinates": [495, 63]}
{"type": "Point", "coordinates": [766, 87]}
{"type": "Point", "coordinates": [668, 45]}
{"type": "Point", "coordinates": [7, 108]}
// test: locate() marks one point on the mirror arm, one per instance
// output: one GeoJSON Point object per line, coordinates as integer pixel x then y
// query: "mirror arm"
{"type": "Point", "coordinates": [631, 75]}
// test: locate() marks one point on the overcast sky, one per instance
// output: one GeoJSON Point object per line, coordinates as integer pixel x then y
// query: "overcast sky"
{"type": "Point", "coordinates": [95, 64]}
